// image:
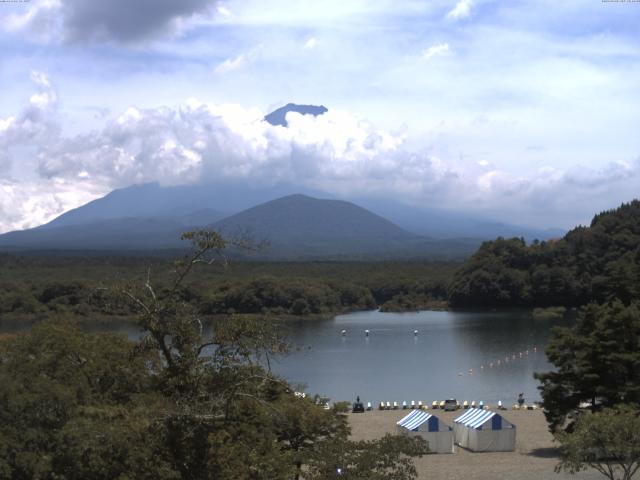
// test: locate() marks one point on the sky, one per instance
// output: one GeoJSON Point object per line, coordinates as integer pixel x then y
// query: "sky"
{"type": "Point", "coordinates": [522, 111]}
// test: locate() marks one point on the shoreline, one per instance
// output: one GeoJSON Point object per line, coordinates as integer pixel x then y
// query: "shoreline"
{"type": "Point", "coordinates": [436, 306]}
{"type": "Point", "coordinates": [534, 458]}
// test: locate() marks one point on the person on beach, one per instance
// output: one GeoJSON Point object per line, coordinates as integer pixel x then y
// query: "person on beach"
{"type": "Point", "coordinates": [521, 399]}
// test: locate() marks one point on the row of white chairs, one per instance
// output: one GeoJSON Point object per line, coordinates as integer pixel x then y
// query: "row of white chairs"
{"type": "Point", "coordinates": [395, 406]}
{"type": "Point", "coordinates": [434, 405]}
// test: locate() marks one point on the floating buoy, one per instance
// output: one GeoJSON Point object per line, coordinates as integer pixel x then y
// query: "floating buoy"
{"type": "Point", "coordinates": [344, 332]}
{"type": "Point", "coordinates": [366, 333]}
{"type": "Point", "coordinates": [415, 333]}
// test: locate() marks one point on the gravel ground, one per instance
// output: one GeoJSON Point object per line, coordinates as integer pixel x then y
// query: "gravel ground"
{"type": "Point", "coordinates": [534, 458]}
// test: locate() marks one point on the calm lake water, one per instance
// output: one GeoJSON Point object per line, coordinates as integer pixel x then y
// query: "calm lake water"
{"type": "Point", "coordinates": [451, 356]}
{"type": "Point", "coordinates": [394, 364]}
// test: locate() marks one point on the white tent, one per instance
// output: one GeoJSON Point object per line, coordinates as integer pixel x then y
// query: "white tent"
{"type": "Point", "coordinates": [484, 431]}
{"type": "Point", "coordinates": [438, 435]}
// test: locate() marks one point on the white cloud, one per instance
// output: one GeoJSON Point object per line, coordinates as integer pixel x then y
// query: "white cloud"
{"type": "Point", "coordinates": [41, 20]}
{"type": "Point", "coordinates": [311, 43]}
{"type": "Point", "coordinates": [35, 124]}
{"type": "Point", "coordinates": [436, 51]}
{"type": "Point", "coordinates": [232, 64]}
{"type": "Point", "coordinates": [238, 62]}
{"type": "Point", "coordinates": [461, 10]}
{"type": "Point", "coordinates": [223, 10]}
{"type": "Point", "coordinates": [29, 204]}
{"type": "Point", "coordinates": [337, 152]}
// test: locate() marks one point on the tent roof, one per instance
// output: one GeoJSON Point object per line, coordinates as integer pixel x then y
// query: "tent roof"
{"type": "Point", "coordinates": [414, 419]}
{"type": "Point", "coordinates": [475, 417]}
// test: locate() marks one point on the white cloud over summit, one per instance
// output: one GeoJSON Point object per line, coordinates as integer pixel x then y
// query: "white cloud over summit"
{"type": "Point", "coordinates": [338, 152]}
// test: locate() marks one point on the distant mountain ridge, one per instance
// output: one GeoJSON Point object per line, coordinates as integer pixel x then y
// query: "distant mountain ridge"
{"type": "Point", "coordinates": [152, 216]}
{"type": "Point", "coordinates": [295, 226]}
{"type": "Point", "coordinates": [317, 227]}
{"type": "Point", "coordinates": [148, 200]}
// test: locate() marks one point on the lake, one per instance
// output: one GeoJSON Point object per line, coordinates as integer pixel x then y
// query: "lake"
{"type": "Point", "coordinates": [465, 355]}
{"type": "Point", "coordinates": [487, 356]}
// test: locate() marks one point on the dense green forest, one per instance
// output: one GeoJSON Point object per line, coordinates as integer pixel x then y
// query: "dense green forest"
{"type": "Point", "coordinates": [590, 264]}
{"type": "Point", "coordinates": [33, 287]}
{"type": "Point", "coordinates": [175, 405]}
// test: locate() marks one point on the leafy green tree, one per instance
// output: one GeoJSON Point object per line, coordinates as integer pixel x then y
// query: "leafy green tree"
{"type": "Point", "coordinates": [303, 427]}
{"type": "Point", "coordinates": [186, 402]}
{"type": "Point", "coordinates": [598, 263]}
{"type": "Point", "coordinates": [64, 391]}
{"type": "Point", "coordinates": [597, 361]}
{"type": "Point", "coordinates": [389, 458]}
{"type": "Point", "coordinates": [607, 441]}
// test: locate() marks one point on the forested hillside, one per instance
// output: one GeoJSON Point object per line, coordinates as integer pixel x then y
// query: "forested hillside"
{"type": "Point", "coordinates": [590, 264]}
{"type": "Point", "coordinates": [33, 288]}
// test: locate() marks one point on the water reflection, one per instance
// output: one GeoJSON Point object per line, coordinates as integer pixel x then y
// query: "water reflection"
{"type": "Point", "coordinates": [454, 354]}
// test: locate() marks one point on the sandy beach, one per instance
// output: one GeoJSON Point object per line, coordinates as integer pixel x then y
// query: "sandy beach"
{"type": "Point", "coordinates": [534, 458]}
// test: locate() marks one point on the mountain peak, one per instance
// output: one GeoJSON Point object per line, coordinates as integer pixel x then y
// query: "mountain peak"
{"type": "Point", "coordinates": [279, 116]}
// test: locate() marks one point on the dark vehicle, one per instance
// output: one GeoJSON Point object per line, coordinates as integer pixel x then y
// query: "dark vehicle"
{"type": "Point", "coordinates": [450, 405]}
{"type": "Point", "coordinates": [358, 407]}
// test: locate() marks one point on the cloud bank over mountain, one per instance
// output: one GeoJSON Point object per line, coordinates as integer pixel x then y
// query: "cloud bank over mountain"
{"type": "Point", "coordinates": [524, 111]}
{"type": "Point", "coordinates": [338, 152]}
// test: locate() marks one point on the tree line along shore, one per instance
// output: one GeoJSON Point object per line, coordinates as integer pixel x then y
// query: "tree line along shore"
{"type": "Point", "coordinates": [589, 264]}
{"type": "Point", "coordinates": [37, 287]}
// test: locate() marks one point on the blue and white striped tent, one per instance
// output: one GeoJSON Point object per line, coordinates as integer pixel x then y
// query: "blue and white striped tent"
{"type": "Point", "coordinates": [484, 431]}
{"type": "Point", "coordinates": [438, 435]}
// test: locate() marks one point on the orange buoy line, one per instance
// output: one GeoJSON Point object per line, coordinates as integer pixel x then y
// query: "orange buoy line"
{"type": "Point", "coordinates": [500, 361]}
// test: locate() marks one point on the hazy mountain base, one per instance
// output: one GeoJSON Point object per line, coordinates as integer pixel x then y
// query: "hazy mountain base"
{"type": "Point", "coordinates": [295, 227]}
